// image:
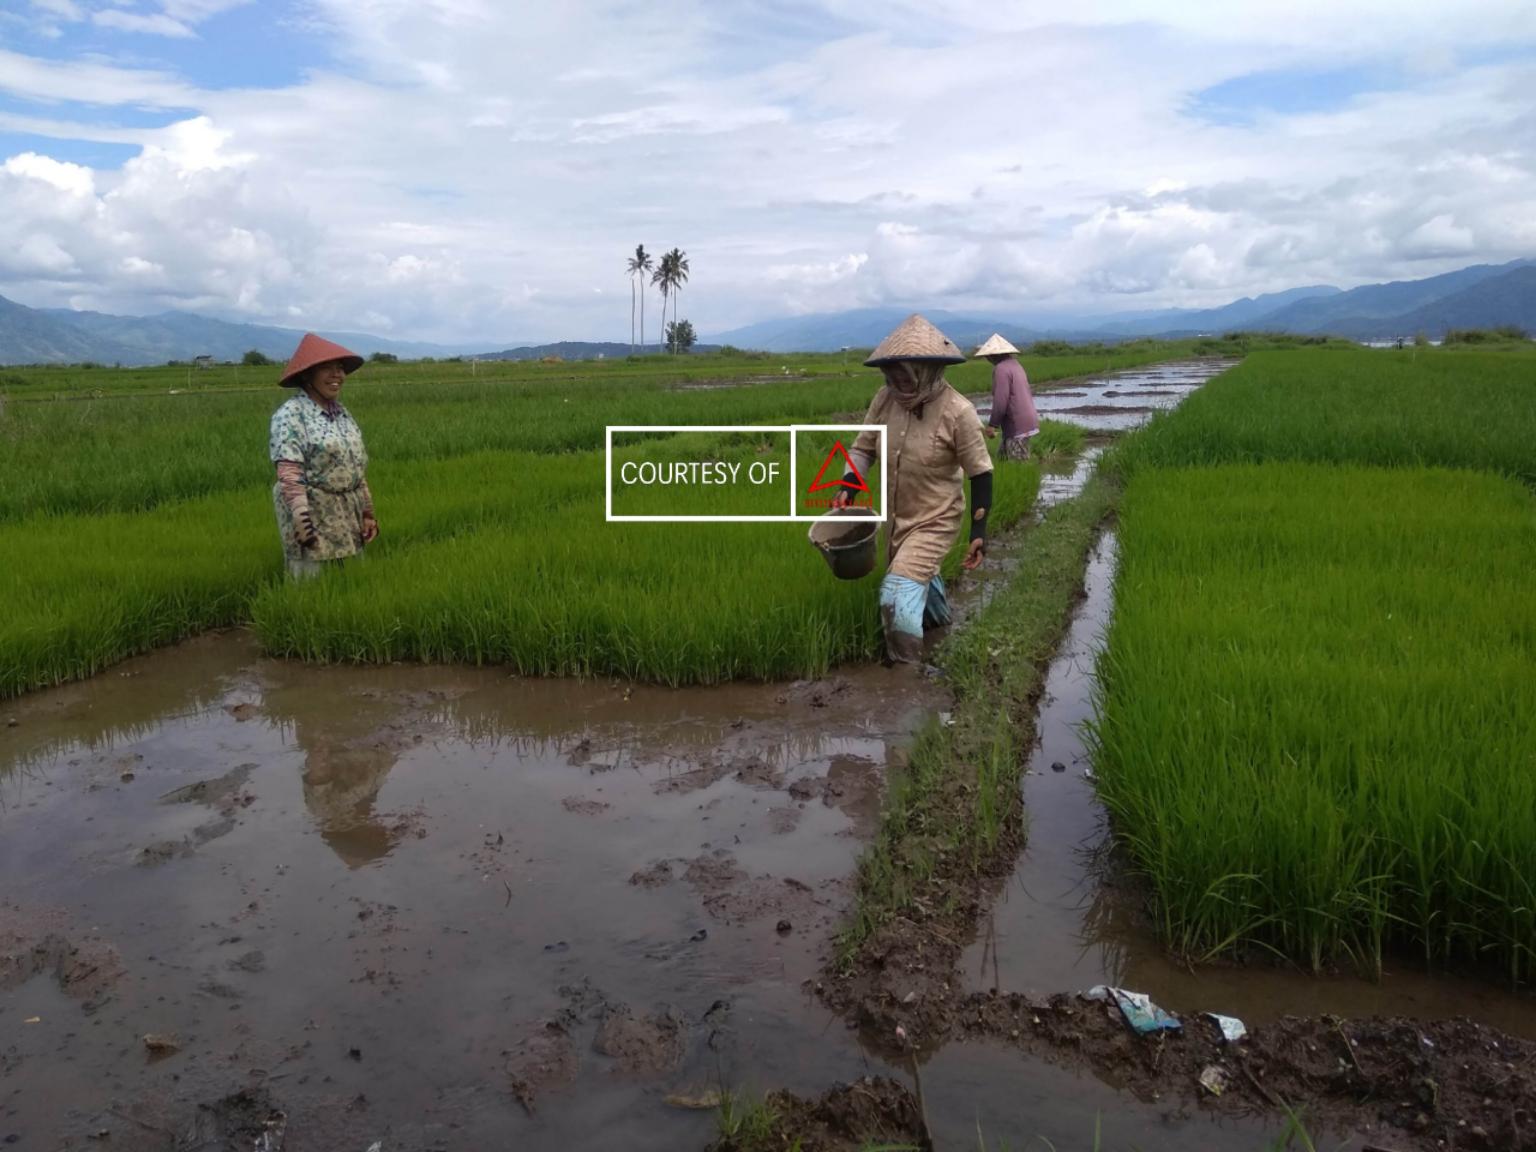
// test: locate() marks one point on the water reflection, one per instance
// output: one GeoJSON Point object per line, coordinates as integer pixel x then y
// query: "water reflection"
{"type": "Point", "coordinates": [341, 790]}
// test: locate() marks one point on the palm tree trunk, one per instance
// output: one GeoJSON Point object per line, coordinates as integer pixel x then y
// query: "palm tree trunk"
{"type": "Point", "coordinates": [631, 315]}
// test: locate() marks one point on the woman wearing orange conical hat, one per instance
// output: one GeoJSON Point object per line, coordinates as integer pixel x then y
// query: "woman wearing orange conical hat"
{"type": "Point", "coordinates": [933, 440]}
{"type": "Point", "coordinates": [324, 508]}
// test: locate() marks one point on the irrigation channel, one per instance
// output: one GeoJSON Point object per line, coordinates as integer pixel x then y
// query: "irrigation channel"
{"type": "Point", "coordinates": [445, 908]}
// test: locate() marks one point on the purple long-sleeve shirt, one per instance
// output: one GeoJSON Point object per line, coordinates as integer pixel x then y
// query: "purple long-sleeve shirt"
{"type": "Point", "coordinates": [1013, 406]}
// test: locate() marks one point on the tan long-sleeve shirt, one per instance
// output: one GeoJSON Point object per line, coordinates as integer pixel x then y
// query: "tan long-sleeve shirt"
{"type": "Point", "coordinates": [929, 458]}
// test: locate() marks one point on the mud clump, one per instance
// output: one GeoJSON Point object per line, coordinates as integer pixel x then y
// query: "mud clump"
{"type": "Point", "coordinates": [584, 807]}
{"type": "Point", "coordinates": [39, 942]}
{"type": "Point", "coordinates": [654, 875]}
{"type": "Point", "coordinates": [163, 852]}
{"type": "Point", "coordinates": [544, 1061]}
{"type": "Point", "coordinates": [246, 1119]}
{"type": "Point", "coordinates": [815, 693]}
{"type": "Point", "coordinates": [730, 895]}
{"type": "Point", "coordinates": [640, 1044]}
{"type": "Point", "coordinates": [752, 771]}
{"type": "Point", "coordinates": [848, 1118]}
{"type": "Point", "coordinates": [783, 821]}
{"type": "Point", "coordinates": [218, 792]}
{"type": "Point", "coordinates": [1429, 1084]}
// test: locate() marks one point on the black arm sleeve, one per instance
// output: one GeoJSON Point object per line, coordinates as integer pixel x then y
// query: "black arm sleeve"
{"type": "Point", "coordinates": [981, 504]}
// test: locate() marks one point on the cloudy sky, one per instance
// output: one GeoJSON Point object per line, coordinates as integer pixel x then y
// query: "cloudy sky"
{"type": "Point", "coordinates": [466, 170]}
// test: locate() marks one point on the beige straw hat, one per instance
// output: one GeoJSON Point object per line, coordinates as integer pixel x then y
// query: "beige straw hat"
{"type": "Point", "coordinates": [916, 339]}
{"type": "Point", "coordinates": [995, 346]}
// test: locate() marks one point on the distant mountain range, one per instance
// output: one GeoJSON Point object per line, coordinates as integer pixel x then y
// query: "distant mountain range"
{"type": "Point", "coordinates": [579, 350]}
{"type": "Point", "coordinates": [1481, 296]}
{"type": "Point", "coordinates": [59, 336]}
{"type": "Point", "coordinates": [1485, 295]}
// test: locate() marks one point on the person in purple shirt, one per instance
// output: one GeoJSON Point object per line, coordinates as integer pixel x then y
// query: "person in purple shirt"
{"type": "Point", "coordinates": [1013, 406]}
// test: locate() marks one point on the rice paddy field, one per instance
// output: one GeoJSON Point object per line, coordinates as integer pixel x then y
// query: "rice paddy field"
{"type": "Point", "coordinates": [1313, 722]}
{"type": "Point", "coordinates": [1310, 732]}
{"type": "Point", "coordinates": [132, 519]}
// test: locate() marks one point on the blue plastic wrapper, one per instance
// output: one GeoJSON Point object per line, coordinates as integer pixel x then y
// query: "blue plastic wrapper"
{"type": "Point", "coordinates": [1140, 1013]}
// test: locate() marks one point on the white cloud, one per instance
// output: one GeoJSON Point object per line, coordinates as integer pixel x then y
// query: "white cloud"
{"type": "Point", "coordinates": [69, 178]}
{"type": "Point", "coordinates": [1439, 236]}
{"type": "Point", "coordinates": [90, 82]}
{"type": "Point", "coordinates": [149, 23]}
{"type": "Point", "coordinates": [463, 170]}
{"type": "Point", "coordinates": [63, 9]}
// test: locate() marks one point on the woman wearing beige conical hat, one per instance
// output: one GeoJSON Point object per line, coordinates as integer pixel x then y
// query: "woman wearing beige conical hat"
{"type": "Point", "coordinates": [324, 509]}
{"type": "Point", "coordinates": [1013, 404]}
{"type": "Point", "coordinates": [933, 439]}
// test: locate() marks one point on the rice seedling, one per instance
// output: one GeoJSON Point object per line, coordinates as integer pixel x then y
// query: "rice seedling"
{"type": "Point", "coordinates": [509, 558]}
{"type": "Point", "coordinates": [1313, 716]}
{"type": "Point", "coordinates": [674, 603]}
{"type": "Point", "coordinates": [744, 1124]}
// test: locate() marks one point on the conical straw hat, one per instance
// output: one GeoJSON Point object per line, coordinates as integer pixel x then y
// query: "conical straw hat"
{"type": "Point", "coordinates": [916, 339]}
{"type": "Point", "coordinates": [314, 350]}
{"type": "Point", "coordinates": [995, 346]}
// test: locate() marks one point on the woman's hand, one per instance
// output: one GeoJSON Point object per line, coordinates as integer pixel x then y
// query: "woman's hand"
{"type": "Point", "coordinates": [974, 555]}
{"type": "Point", "coordinates": [370, 528]}
{"type": "Point", "coordinates": [991, 431]}
{"type": "Point", "coordinates": [304, 531]}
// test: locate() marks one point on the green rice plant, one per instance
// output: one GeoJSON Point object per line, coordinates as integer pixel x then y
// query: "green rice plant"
{"type": "Point", "coordinates": [471, 529]}
{"type": "Point", "coordinates": [124, 452]}
{"type": "Point", "coordinates": [1313, 718]}
{"type": "Point", "coordinates": [1406, 408]}
{"type": "Point", "coordinates": [744, 1124]}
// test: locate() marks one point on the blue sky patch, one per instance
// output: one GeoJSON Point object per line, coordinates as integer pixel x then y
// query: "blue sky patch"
{"type": "Point", "coordinates": [90, 153]}
{"type": "Point", "coordinates": [1289, 92]}
{"type": "Point", "coordinates": [256, 45]}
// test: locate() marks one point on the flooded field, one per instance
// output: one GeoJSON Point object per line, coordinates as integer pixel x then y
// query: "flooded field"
{"type": "Point", "coordinates": [1120, 401]}
{"type": "Point", "coordinates": [409, 902]}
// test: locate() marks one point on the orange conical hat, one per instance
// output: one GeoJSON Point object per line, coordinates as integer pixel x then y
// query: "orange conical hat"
{"type": "Point", "coordinates": [314, 350]}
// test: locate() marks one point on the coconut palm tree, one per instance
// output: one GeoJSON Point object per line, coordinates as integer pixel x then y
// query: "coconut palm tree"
{"type": "Point", "coordinates": [679, 260]}
{"type": "Point", "coordinates": [639, 265]}
{"type": "Point", "coordinates": [663, 279]}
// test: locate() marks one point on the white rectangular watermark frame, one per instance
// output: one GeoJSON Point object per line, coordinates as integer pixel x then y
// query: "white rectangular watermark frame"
{"type": "Point", "coordinates": [794, 484]}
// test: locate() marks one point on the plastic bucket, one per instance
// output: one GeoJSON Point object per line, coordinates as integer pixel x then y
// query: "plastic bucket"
{"type": "Point", "coordinates": [847, 540]}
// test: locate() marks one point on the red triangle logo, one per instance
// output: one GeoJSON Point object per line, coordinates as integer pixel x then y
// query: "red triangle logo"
{"type": "Point", "coordinates": [838, 450]}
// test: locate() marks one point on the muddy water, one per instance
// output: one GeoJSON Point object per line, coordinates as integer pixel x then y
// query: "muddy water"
{"type": "Point", "coordinates": [1057, 927]}
{"type": "Point", "coordinates": [1120, 401]}
{"type": "Point", "coordinates": [372, 891]}
{"type": "Point", "coordinates": [445, 908]}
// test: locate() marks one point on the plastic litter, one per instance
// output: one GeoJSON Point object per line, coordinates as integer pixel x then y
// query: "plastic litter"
{"type": "Point", "coordinates": [274, 1130]}
{"type": "Point", "coordinates": [1214, 1079]}
{"type": "Point", "coordinates": [1140, 1013]}
{"type": "Point", "coordinates": [1232, 1029]}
